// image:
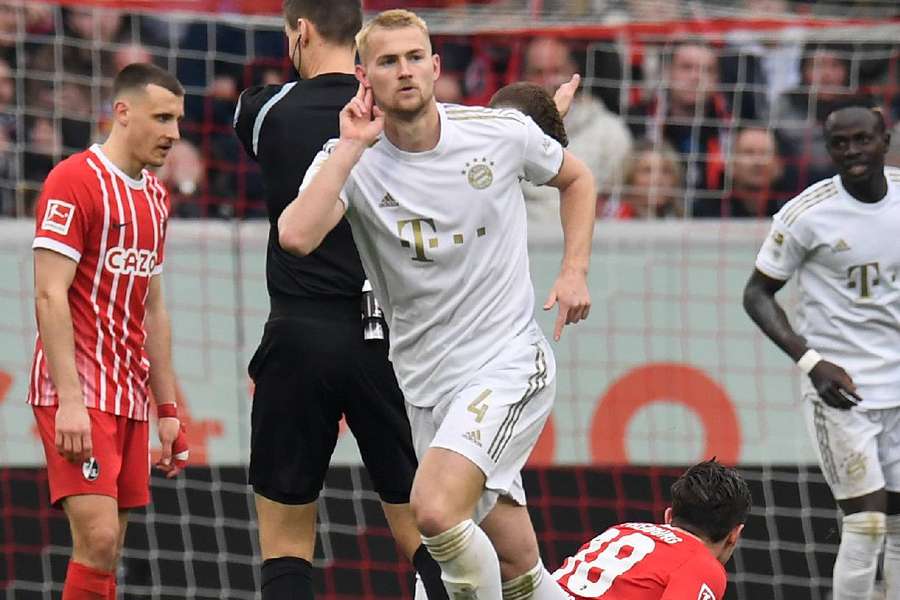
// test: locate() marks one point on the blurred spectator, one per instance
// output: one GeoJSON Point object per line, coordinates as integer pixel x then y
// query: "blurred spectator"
{"type": "Point", "coordinates": [95, 24]}
{"type": "Point", "coordinates": [76, 123]}
{"type": "Point", "coordinates": [184, 174]}
{"type": "Point", "coordinates": [9, 29]}
{"type": "Point", "coordinates": [761, 67]}
{"type": "Point", "coordinates": [448, 88]}
{"type": "Point", "coordinates": [85, 30]}
{"type": "Point", "coordinates": [43, 149]}
{"type": "Point", "coordinates": [7, 99]}
{"type": "Point", "coordinates": [38, 18]}
{"type": "Point", "coordinates": [893, 156]}
{"type": "Point", "coordinates": [798, 114]}
{"type": "Point", "coordinates": [8, 175]}
{"type": "Point", "coordinates": [128, 54]}
{"type": "Point", "coordinates": [653, 185]}
{"type": "Point", "coordinates": [755, 171]}
{"type": "Point", "coordinates": [596, 135]}
{"type": "Point", "coordinates": [691, 116]}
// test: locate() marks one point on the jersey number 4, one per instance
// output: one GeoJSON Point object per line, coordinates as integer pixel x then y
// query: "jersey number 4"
{"type": "Point", "coordinates": [608, 554]}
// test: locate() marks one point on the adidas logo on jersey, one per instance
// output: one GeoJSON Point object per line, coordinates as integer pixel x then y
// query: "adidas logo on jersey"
{"type": "Point", "coordinates": [841, 246]}
{"type": "Point", "coordinates": [474, 436]}
{"type": "Point", "coordinates": [388, 202]}
{"type": "Point", "coordinates": [706, 593]}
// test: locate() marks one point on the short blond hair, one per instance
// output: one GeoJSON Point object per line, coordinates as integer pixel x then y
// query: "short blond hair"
{"type": "Point", "coordinates": [397, 18]}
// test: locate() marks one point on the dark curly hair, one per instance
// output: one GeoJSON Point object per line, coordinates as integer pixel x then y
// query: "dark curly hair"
{"type": "Point", "coordinates": [709, 500]}
{"type": "Point", "coordinates": [534, 101]}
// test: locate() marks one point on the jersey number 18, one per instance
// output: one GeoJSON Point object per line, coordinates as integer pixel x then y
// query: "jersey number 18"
{"type": "Point", "coordinates": [606, 554]}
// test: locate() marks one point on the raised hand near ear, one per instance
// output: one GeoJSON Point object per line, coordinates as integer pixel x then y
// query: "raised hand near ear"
{"type": "Point", "coordinates": [361, 120]}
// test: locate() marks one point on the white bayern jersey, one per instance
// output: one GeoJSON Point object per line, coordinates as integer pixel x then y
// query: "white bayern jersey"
{"type": "Point", "coordinates": [846, 254]}
{"type": "Point", "coordinates": [442, 237]}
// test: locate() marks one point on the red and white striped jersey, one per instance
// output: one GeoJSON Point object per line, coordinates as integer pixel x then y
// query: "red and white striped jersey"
{"type": "Point", "coordinates": [114, 227]}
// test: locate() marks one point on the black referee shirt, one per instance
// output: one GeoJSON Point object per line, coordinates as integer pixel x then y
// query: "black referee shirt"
{"type": "Point", "coordinates": [283, 127]}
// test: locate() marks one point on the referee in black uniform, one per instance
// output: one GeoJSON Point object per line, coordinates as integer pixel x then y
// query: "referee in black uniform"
{"type": "Point", "coordinates": [313, 364]}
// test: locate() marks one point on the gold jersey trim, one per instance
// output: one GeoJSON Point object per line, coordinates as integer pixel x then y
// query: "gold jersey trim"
{"type": "Point", "coordinates": [807, 200]}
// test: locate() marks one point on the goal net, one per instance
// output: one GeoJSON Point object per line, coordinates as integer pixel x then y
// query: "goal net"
{"type": "Point", "coordinates": [667, 370]}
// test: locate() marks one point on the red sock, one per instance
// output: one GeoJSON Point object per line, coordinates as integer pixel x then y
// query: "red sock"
{"type": "Point", "coordinates": [87, 583]}
{"type": "Point", "coordinates": [112, 588]}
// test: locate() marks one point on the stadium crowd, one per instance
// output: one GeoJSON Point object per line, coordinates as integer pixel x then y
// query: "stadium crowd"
{"type": "Point", "coordinates": [701, 128]}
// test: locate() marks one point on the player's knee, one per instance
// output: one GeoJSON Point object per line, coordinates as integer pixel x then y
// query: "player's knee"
{"type": "Point", "coordinates": [100, 545]}
{"type": "Point", "coordinates": [434, 515]}
{"type": "Point", "coordinates": [513, 565]}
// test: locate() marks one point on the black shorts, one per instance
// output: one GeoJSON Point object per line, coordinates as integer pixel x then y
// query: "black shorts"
{"type": "Point", "coordinates": [313, 366]}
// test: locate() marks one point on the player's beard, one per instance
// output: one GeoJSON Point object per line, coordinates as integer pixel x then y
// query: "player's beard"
{"type": "Point", "coordinates": [407, 113]}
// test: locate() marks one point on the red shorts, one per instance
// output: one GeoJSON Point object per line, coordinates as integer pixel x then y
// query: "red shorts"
{"type": "Point", "coordinates": [120, 467]}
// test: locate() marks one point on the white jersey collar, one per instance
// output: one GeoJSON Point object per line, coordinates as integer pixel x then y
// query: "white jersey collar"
{"type": "Point", "coordinates": [427, 154]}
{"type": "Point", "coordinates": [137, 184]}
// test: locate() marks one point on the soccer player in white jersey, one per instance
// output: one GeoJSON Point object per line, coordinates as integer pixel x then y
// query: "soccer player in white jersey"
{"type": "Point", "coordinates": [432, 194]}
{"type": "Point", "coordinates": [840, 238]}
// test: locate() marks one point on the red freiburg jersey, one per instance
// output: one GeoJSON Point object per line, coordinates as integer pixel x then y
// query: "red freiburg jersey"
{"type": "Point", "coordinates": [114, 227]}
{"type": "Point", "coordinates": [643, 561]}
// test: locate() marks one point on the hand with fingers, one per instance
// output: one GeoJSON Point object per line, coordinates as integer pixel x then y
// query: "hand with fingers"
{"type": "Point", "coordinates": [571, 292]}
{"type": "Point", "coordinates": [565, 94]}
{"type": "Point", "coordinates": [173, 441]}
{"type": "Point", "coordinates": [834, 385]}
{"type": "Point", "coordinates": [73, 430]}
{"type": "Point", "coordinates": [361, 120]}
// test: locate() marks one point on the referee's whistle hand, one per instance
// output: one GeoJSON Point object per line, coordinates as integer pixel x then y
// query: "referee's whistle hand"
{"type": "Point", "coordinates": [73, 431]}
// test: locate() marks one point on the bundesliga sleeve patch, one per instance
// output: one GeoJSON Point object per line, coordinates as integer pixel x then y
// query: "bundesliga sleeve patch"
{"type": "Point", "coordinates": [58, 216]}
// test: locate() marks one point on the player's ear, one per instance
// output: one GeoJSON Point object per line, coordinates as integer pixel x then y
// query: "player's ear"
{"type": "Point", "coordinates": [735, 534]}
{"type": "Point", "coordinates": [668, 516]}
{"type": "Point", "coordinates": [121, 111]}
{"type": "Point", "coordinates": [436, 63]}
{"type": "Point", "coordinates": [361, 75]}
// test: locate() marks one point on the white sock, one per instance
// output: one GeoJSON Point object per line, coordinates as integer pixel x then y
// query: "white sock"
{"type": "Point", "coordinates": [536, 584]}
{"type": "Point", "coordinates": [857, 560]}
{"type": "Point", "coordinates": [469, 565]}
{"type": "Point", "coordinates": [892, 556]}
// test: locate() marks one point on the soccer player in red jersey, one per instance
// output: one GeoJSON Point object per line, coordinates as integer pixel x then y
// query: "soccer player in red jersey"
{"type": "Point", "coordinates": [103, 331]}
{"type": "Point", "coordinates": [680, 560]}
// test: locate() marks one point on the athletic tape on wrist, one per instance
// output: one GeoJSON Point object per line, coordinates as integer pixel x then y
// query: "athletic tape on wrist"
{"type": "Point", "coordinates": [167, 410]}
{"type": "Point", "coordinates": [809, 360]}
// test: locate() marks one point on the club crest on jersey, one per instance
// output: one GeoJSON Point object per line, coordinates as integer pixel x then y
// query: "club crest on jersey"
{"type": "Point", "coordinates": [91, 469]}
{"type": "Point", "coordinates": [58, 216]}
{"type": "Point", "coordinates": [706, 593]}
{"type": "Point", "coordinates": [130, 261]}
{"type": "Point", "coordinates": [479, 173]}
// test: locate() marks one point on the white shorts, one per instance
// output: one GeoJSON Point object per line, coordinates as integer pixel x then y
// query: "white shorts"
{"type": "Point", "coordinates": [858, 450]}
{"type": "Point", "coordinates": [495, 420]}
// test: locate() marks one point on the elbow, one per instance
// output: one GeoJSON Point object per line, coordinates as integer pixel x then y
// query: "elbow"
{"type": "Point", "coordinates": [295, 242]}
{"type": "Point", "coordinates": [43, 296]}
{"type": "Point", "coordinates": [749, 300]}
